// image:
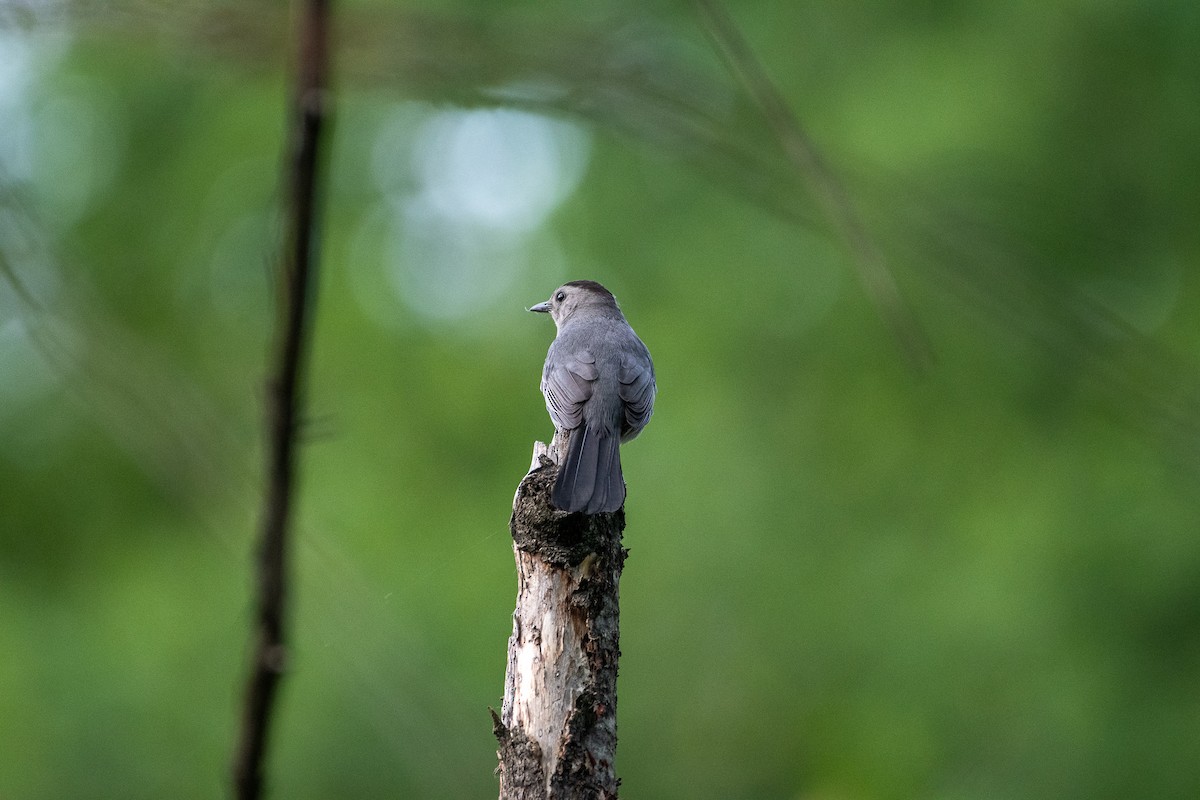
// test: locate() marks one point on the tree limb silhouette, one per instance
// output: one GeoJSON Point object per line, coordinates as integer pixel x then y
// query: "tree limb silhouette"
{"type": "Point", "coordinates": [285, 395]}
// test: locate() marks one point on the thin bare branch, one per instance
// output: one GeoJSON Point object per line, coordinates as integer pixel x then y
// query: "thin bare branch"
{"type": "Point", "coordinates": [285, 395]}
{"type": "Point", "coordinates": [828, 191]}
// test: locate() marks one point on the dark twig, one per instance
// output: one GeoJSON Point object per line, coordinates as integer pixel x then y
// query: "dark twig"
{"type": "Point", "coordinates": [284, 395]}
{"type": "Point", "coordinates": [827, 190]}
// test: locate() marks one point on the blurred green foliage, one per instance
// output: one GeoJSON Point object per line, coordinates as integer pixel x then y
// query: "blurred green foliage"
{"type": "Point", "coordinates": [847, 579]}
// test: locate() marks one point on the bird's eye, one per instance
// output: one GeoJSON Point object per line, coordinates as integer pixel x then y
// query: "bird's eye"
{"type": "Point", "coordinates": [560, 296]}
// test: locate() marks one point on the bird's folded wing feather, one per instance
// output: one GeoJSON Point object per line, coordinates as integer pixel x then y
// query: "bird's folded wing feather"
{"type": "Point", "coordinates": [637, 391]}
{"type": "Point", "coordinates": [567, 386]}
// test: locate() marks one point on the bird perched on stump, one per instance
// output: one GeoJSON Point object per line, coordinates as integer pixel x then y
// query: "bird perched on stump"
{"type": "Point", "coordinates": [599, 387]}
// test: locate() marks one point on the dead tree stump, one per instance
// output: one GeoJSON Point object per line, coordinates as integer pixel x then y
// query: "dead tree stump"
{"type": "Point", "coordinates": [557, 728]}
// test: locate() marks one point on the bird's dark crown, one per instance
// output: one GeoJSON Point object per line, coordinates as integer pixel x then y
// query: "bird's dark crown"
{"type": "Point", "coordinates": [592, 286]}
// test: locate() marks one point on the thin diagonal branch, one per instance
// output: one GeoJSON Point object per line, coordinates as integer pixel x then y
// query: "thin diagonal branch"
{"type": "Point", "coordinates": [827, 190]}
{"type": "Point", "coordinates": [285, 395]}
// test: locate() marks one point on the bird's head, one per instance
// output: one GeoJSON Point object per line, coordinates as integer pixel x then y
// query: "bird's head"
{"type": "Point", "coordinates": [574, 297]}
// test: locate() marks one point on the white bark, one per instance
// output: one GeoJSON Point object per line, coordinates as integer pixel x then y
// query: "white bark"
{"type": "Point", "coordinates": [557, 726]}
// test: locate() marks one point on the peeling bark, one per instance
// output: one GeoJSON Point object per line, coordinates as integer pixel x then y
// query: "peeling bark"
{"type": "Point", "coordinates": [557, 729]}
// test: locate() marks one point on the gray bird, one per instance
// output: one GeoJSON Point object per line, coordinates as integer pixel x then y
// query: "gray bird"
{"type": "Point", "coordinates": [599, 388]}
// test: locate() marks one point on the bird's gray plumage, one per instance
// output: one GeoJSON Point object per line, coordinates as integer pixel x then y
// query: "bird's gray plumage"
{"type": "Point", "coordinates": [599, 387]}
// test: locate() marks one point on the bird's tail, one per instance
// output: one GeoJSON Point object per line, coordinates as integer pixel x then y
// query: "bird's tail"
{"type": "Point", "coordinates": [589, 478]}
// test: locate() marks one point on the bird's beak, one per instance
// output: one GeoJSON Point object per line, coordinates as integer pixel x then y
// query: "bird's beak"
{"type": "Point", "coordinates": [543, 307]}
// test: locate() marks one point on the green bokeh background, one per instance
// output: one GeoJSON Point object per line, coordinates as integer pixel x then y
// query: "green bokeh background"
{"type": "Point", "coordinates": [849, 578]}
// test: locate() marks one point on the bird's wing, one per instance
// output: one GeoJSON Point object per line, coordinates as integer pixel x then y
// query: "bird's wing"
{"type": "Point", "coordinates": [637, 390]}
{"type": "Point", "coordinates": [567, 386]}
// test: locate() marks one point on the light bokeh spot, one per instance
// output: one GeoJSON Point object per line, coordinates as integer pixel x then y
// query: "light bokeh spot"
{"type": "Point", "coordinates": [465, 196]}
